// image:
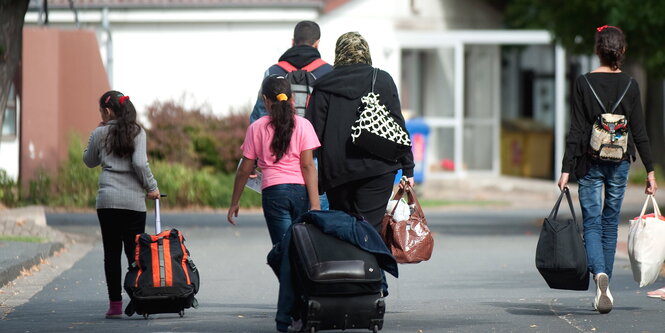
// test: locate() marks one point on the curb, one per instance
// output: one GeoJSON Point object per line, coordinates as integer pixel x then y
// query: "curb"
{"type": "Point", "coordinates": [22, 262]}
{"type": "Point", "coordinates": [17, 256]}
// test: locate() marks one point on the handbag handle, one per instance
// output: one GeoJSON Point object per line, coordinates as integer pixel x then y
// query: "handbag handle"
{"type": "Point", "coordinates": [555, 209]}
{"type": "Point", "coordinates": [656, 209]}
{"type": "Point", "coordinates": [411, 199]}
{"type": "Point", "coordinates": [397, 197]}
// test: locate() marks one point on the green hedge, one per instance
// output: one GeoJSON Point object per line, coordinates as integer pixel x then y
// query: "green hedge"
{"type": "Point", "coordinates": [75, 185]}
{"type": "Point", "coordinates": [188, 187]}
{"type": "Point", "coordinates": [638, 175]}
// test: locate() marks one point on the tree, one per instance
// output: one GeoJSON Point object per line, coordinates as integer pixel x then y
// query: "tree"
{"type": "Point", "coordinates": [573, 23]}
{"type": "Point", "coordinates": [12, 14]}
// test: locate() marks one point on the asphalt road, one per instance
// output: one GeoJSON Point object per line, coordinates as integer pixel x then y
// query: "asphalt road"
{"type": "Point", "coordinates": [481, 278]}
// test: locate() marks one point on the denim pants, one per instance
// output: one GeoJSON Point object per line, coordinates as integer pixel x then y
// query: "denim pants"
{"type": "Point", "coordinates": [282, 204]}
{"type": "Point", "coordinates": [601, 218]}
{"type": "Point", "coordinates": [323, 198]}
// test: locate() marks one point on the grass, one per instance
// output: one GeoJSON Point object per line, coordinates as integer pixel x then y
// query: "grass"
{"type": "Point", "coordinates": [26, 239]}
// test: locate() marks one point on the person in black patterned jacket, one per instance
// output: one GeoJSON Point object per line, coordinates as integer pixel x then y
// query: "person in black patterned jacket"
{"type": "Point", "coordinates": [355, 180]}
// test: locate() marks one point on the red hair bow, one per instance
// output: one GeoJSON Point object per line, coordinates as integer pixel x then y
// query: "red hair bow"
{"type": "Point", "coordinates": [122, 99]}
{"type": "Point", "coordinates": [599, 29]}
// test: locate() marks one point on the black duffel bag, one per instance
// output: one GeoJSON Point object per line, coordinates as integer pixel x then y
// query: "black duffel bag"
{"type": "Point", "coordinates": [560, 254]}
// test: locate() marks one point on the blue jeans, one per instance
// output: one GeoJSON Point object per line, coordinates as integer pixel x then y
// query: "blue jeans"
{"type": "Point", "coordinates": [282, 204]}
{"type": "Point", "coordinates": [601, 219]}
{"type": "Point", "coordinates": [323, 198]}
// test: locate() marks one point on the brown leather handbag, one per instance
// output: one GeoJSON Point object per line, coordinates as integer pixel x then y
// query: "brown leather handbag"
{"type": "Point", "coordinates": [409, 240]}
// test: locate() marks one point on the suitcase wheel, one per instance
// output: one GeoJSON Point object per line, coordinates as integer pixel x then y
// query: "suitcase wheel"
{"type": "Point", "coordinates": [312, 329]}
{"type": "Point", "coordinates": [145, 316]}
{"type": "Point", "coordinates": [182, 313]}
{"type": "Point", "coordinates": [381, 306]}
{"type": "Point", "coordinates": [375, 329]}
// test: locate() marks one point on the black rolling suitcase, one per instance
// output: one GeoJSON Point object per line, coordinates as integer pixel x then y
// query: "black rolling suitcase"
{"type": "Point", "coordinates": [338, 283]}
{"type": "Point", "coordinates": [163, 277]}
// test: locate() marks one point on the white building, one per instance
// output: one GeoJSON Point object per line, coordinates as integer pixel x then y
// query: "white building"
{"type": "Point", "coordinates": [452, 63]}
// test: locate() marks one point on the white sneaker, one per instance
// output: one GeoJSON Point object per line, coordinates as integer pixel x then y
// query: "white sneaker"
{"type": "Point", "coordinates": [604, 300]}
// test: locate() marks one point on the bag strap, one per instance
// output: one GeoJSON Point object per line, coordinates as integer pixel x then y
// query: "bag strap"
{"type": "Point", "coordinates": [555, 209]}
{"type": "Point", "coordinates": [312, 66]}
{"type": "Point", "coordinates": [285, 65]}
{"type": "Point", "coordinates": [376, 70]}
{"type": "Point", "coordinates": [412, 200]}
{"type": "Point", "coordinates": [616, 105]}
{"type": "Point", "coordinates": [656, 210]}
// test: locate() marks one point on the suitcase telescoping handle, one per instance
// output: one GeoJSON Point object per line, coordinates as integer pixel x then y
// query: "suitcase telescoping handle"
{"type": "Point", "coordinates": [158, 222]}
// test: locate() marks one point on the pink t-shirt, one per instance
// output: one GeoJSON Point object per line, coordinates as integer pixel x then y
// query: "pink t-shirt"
{"type": "Point", "coordinates": [287, 169]}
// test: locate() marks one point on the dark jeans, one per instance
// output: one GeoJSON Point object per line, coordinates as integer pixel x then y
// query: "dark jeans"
{"type": "Point", "coordinates": [282, 204]}
{"type": "Point", "coordinates": [601, 218]}
{"type": "Point", "coordinates": [119, 226]}
{"type": "Point", "coordinates": [366, 197]}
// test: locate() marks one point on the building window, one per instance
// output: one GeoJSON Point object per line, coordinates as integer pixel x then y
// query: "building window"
{"type": "Point", "coordinates": [9, 123]}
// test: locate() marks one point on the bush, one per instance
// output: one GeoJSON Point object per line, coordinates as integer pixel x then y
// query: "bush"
{"type": "Point", "coordinates": [187, 187]}
{"type": "Point", "coordinates": [194, 138]}
{"type": "Point", "coordinates": [39, 188]}
{"type": "Point", "coordinates": [76, 184]}
{"type": "Point", "coordinates": [9, 190]}
{"type": "Point", "coordinates": [638, 174]}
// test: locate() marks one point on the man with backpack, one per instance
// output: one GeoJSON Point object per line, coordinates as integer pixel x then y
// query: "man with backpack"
{"type": "Point", "coordinates": [301, 64]}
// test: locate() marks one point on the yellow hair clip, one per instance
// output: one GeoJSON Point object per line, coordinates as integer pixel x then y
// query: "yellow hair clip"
{"type": "Point", "coordinates": [282, 97]}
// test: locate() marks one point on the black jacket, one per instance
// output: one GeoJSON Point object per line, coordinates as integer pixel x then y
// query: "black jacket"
{"type": "Point", "coordinates": [333, 108]}
{"type": "Point", "coordinates": [584, 111]}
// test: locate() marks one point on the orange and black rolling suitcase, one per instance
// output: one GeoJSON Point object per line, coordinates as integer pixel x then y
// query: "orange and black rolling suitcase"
{"type": "Point", "coordinates": [163, 277]}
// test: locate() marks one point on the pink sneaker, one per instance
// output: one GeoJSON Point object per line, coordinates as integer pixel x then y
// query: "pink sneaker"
{"type": "Point", "coordinates": [115, 310]}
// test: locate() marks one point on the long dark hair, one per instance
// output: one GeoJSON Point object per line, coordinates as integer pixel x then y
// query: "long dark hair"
{"type": "Point", "coordinates": [610, 46]}
{"type": "Point", "coordinates": [278, 90]}
{"type": "Point", "coordinates": [120, 138]}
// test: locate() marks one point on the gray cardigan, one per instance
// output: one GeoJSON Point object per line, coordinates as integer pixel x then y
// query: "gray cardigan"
{"type": "Point", "coordinates": [123, 181]}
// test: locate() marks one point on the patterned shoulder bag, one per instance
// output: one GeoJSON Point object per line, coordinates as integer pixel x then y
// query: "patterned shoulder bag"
{"type": "Point", "coordinates": [376, 131]}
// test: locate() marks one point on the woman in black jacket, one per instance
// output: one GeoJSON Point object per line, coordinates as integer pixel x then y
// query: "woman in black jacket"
{"type": "Point", "coordinates": [604, 86]}
{"type": "Point", "coordinates": [355, 180]}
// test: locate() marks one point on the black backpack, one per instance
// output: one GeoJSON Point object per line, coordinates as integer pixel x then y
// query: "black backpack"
{"type": "Point", "coordinates": [301, 82]}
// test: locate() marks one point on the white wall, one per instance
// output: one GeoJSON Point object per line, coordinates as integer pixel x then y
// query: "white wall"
{"type": "Point", "coordinates": [221, 66]}
{"type": "Point", "coordinates": [215, 57]}
{"type": "Point", "coordinates": [9, 149]}
{"type": "Point", "coordinates": [9, 157]}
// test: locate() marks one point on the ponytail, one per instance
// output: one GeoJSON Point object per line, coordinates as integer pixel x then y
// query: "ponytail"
{"type": "Point", "coordinates": [120, 137]}
{"type": "Point", "coordinates": [282, 113]}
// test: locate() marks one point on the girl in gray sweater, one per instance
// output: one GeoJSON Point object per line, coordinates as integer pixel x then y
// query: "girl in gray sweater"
{"type": "Point", "coordinates": [118, 144]}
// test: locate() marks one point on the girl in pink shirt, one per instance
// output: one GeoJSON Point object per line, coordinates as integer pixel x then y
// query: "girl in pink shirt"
{"type": "Point", "coordinates": [282, 145]}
